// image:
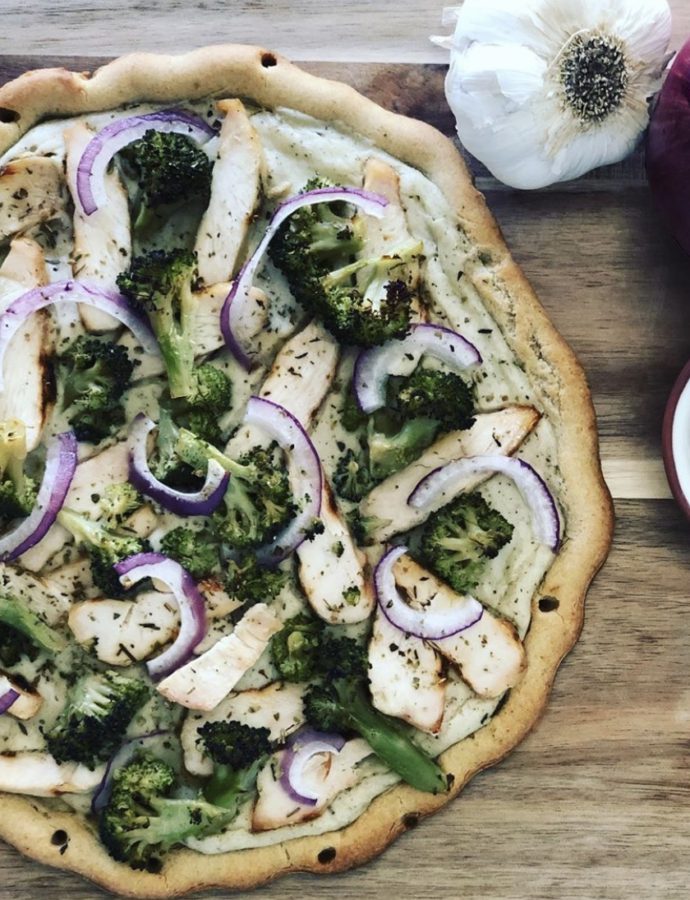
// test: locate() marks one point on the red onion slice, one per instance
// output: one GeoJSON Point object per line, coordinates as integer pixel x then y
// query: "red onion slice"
{"type": "Point", "coordinates": [72, 292]}
{"type": "Point", "coordinates": [375, 365]}
{"type": "Point", "coordinates": [61, 463]}
{"type": "Point", "coordinates": [184, 503]}
{"type": "Point", "coordinates": [235, 314]}
{"type": "Point", "coordinates": [119, 134]}
{"type": "Point", "coordinates": [301, 748]}
{"type": "Point", "coordinates": [446, 482]}
{"type": "Point", "coordinates": [189, 601]}
{"type": "Point", "coordinates": [7, 700]}
{"type": "Point", "coordinates": [430, 625]}
{"type": "Point", "coordinates": [304, 472]}
{"type": "Point", "coordinates": [118, 761]}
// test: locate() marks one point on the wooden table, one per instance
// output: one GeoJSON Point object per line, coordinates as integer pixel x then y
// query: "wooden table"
{"type": "Point", "coordinates": [596, 802]}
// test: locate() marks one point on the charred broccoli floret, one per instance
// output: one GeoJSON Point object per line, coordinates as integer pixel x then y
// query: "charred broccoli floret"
{"type": "Point", "coordinates": [23, 633]}
{"type": "Point", "coordinates": [258, 502]}
{"type": "Point", "coordinates": [105, 548]}
{"type": "Point", "coordinates": [17, 489]}
{"type": "Point", "coordinates": [170, 170]}
{"type": "Point", "coordinates": [340, 702]}
{"type": "Point", "coordinates": [92, 725]}
{"type": "Point", "coordinates": [352, 477]}
{"type": "Point", "coordinates": [119, 501]}
{"type": "Point", "coordinates": [248, 582]}
{"type": "Point", "coordinates": [367, 302]}
{"type": "Point", "coordinates": [210, 398]}
{"type": "Point", "coordinates": [161, 283]}
{"type": "Point", "coordinates": [311, 243]}
{"type": "Point", "coordinates": [238, 752]}
{"type": "Point", "coordinates": [458, 540]}
{"type": "Point", "coordinates": [196, 551]}
{"type": "Point", "coordinates": [295, 648]}
{"type": "Point", "coordinates": [430, 393]}
{"type": "Point", "coordinates": [93, 375]}
{"type": "Point", "coordinates": [141, 821]}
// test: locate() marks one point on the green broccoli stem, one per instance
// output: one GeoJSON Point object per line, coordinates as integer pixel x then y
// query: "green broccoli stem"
{"type": "Point", "coordinates": [380, 264]}
{"type": "Point", "coordinates": [228, 787]}
{"type": "Point", "coordinates": [196, 453]}
{"type": "Point", "coordinates": [388, 740]}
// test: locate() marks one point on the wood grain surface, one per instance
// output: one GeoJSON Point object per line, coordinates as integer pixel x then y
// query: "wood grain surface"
{"type": "Point", "coordinates": [596, 802]}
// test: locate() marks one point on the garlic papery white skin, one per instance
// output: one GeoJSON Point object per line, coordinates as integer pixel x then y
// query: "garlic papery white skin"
{"type": "Point", "coordinates": [545, 90]}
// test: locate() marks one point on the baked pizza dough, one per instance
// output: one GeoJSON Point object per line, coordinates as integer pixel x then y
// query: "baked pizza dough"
{"type": "Point", "coordinates": [470, 241]}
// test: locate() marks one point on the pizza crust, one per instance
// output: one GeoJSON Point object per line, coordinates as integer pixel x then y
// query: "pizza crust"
{"type": "Point", "coordinates": [62, 839]}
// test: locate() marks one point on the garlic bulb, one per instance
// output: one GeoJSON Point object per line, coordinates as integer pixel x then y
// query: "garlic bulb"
{"type": "Point", "coordinates": [545, 90]}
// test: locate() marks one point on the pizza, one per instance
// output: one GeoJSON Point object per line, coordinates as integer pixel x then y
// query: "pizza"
{"type": "Point", "coordinates": [300, 488]}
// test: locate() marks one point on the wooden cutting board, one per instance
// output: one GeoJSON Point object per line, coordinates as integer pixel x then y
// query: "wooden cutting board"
{"type": "Point", "coordinates": [596, 802]}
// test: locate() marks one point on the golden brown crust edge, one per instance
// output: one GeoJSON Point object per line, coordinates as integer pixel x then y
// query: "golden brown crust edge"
{"type": "Point", "coordinates": [270, 80]}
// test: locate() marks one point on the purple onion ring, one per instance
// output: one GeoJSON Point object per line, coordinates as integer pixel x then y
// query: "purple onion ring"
{"type": "Point", "coordinates": [61, 464]}
{"type": "Point", "coordinates": [301, 748]}
{"type": "Point", "coordinates": [190, 602]}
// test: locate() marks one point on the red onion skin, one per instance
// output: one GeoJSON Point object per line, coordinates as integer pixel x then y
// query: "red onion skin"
{"type": "Point", "coordinates": [302, 739]}
{"type": "Point", "coordinates": [668, 149]}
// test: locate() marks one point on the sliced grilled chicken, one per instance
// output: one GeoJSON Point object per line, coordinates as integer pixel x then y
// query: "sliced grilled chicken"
{"type": "Point", "coordinates": [31, 191]}
{"type": "Point", "coordinates": [299, 379]}
{"type": "Point", "coordinates": [234, 195]}
{"type": "Point", "coordinates": [406, 677]}
{"type": "Point", "coordinates": [207, 333]}
{"type": "Point", "coordinates": [29, 390]}
{"type": "Point", "coordinates": [93, 475]}
{"type": "Point", "coordinates": [278, 707]}
{"type": "Point", "coordinates": [329, 774]}
{"type": "Point", "coordinates": [42, 597]}
{"type": "Point", "coordinates": [39, 775]}
{"type": "Point", "coordinates": [27, 703]}
{"type": "Point", "coordinates": [122, 632]}
{"type": "Point", "coordinates": [102, 241]}
{"type": "Point", "coordinates": [206, 680]}
{"type": "Point", "coordinates": [73, 580]}
{"type": "Point", "coordinates": [489, 654]}
{"type": "Point", "coordinates": [499, 432]}
{"type": "Point", "coordinates": [333, 571]}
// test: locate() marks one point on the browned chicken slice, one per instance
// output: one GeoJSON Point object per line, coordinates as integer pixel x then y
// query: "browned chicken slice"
{"type": "Point", "coordinates": [31, 191]}
{"type": "Point", "coordinates": [27, 703]}
{"type": "Point", "coordinates": [102, 241]}
{"type": "Point", "coordinates": [204, 681]}
{"type": "Point", "coordinates": [327, 774]}
{"type": "Point", "coordinates": [39, 775]}
{"type": "Point", "coordinates": [488, 654]}
{"type": "Point", "coordinates": [406, 676]}
{"type": "Point", "coordinates": [235, 184]}
{"type": "Point", "coordinates": [28, 392]}
{"type": "Point", "coordinates": [500, 432]}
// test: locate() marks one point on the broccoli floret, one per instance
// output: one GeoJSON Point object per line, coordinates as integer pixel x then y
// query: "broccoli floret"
{"type": "Point", "coordinates": [141, 822]}
{"type": "Point", "coordinates": [170, 170]}
{"type": "Point", "coordinates": [458, 540]}
{"type": "Point", "coordinates": [352, 477]}
{"type": "Point", "coordinates": [312, 242]}
{"type": "Point", "coordinates": [119, 501]}
{"type": "Point", "coordinates": [105, 548]}
{"type": "Point", "coordinates": [357, 472]}
{"type": "Point", "coordinates": [295, 648]}
{"type": "Point", "coordinates": [17, 490]}
{"type": "Point", "coordinates": [340, 702]}
{"type": "Point", "coordinates": [195, 551]}
{"type": "Point", "coordinates": [23, 633]}
{"type": "Point", "coordinates": [92, 725]}
{"type": "Point", "coordinates": [443, 396]}
{"type": "Point", "coordinates": [248, 582]}
{"type": "Point", "coordinates": [258, 503]}
{"type": "Point", "coordinates": [364, 303]}
{"type": "Point", "coordinates": [93, 374]}
{"type": "Point", "coordinates": [238, 752]}
{"type": "Point", "coordinates": [210, 398]}
{"type": "Point", "coordinates": [363, 527]}
{"type": "Point", "coordinates": [161, 283]}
